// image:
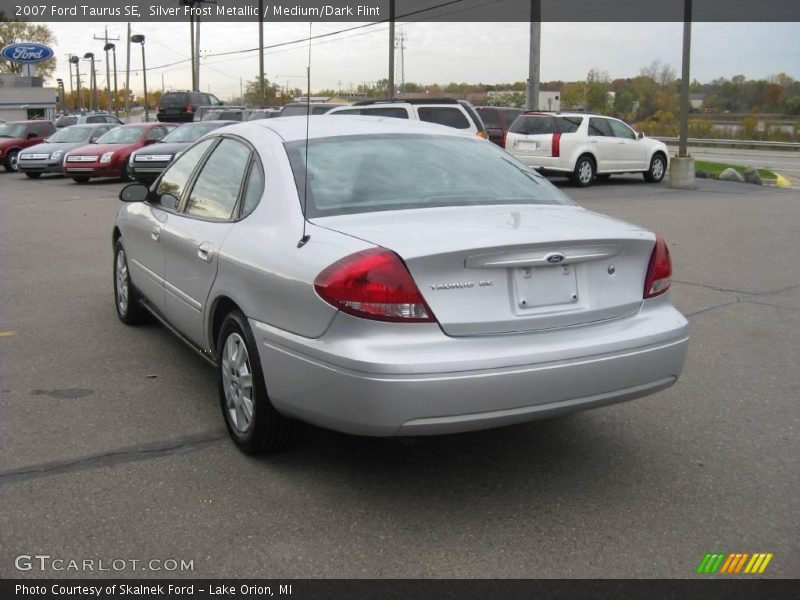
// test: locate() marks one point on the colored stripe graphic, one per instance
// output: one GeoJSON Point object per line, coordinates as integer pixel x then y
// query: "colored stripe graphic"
{"type": "Point", "coordinates": [734, 562]}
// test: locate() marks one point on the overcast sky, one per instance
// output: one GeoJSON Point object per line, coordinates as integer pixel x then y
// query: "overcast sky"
{"type": "Point", "coordinates": [438, 52]}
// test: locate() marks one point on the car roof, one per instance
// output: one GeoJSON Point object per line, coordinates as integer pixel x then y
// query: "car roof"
{"type": "Point", "coordinates": [27, 122]}
{"type": "Point", "coordinates": [322, 126]}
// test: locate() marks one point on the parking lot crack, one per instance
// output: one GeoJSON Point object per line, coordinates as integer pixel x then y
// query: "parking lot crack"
{"type": "Point", "coordinates": [735, 291]}
{"type": "Point", "coordinates": [114, 457]}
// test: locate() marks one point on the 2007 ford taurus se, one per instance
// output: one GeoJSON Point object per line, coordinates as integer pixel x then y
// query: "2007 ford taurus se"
{"type": "Point", "coordinates": [385, 277]}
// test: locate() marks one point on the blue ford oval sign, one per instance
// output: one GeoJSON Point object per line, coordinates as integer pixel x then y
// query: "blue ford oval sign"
{"type": "Point", "coordinates": [27, 52]}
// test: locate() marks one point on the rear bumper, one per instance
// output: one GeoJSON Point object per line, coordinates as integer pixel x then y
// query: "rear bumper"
{"type": "Point", "coordinates": [403, 382]}
{"type": "Point", "coordinates": [546, 163]}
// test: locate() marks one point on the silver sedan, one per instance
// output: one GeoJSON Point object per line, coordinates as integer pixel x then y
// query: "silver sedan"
{"type": "Point", "coordinates": [384, 277]}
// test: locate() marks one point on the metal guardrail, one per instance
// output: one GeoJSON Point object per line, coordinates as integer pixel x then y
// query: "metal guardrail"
{"type": "Point", "coordinates": [734, 143]}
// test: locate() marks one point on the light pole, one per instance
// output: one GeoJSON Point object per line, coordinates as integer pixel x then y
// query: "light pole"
{"type": "Point", "coordinates": [61, 94]}
{"type": "Point", "coordinates": [71, 88]}
{"type": "Point", "coordinates": [75, 60]}
{"type": "Point", "coordinates": [92, 82]}
{"type": "Point", "coordinates": [113, 49]}
{"type": "Point", "coordinates": [139, 39]}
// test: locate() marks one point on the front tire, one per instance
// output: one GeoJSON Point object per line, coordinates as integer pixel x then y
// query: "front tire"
{"type": "Point", "coordinates": [583, 175]}
{"type": "Point", "coordinates": [658, 168]}
{"type": "Point", "coordinates": [126, 298]}
{"type": "Point", "coordinates": [252, 421]}
{"type": "Point", "coordinates": [12, 161]}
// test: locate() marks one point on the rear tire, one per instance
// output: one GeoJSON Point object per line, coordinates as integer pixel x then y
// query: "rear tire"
{"type": "Point", "coordinates": [33, 175]}
{"type": "Point", "coordinates": [583, 175]}
{"type": "Point", "coordinates": [253, 423]}
{"type": "Point", "coordinates": [658, 168]}
{"type": "Point", "coordinates": [126, 298]}
{"type": "Point", "coordinates": [12, 161]}
{"type": "Point", "coordinates": [80, 179]}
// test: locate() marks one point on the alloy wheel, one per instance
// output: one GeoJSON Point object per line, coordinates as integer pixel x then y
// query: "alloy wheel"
{"type": "Point", "coordinates": [237, 383]}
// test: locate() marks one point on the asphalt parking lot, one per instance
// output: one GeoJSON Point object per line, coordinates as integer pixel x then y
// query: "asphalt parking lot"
{"type": "Point", "coordinates": [112, 444]}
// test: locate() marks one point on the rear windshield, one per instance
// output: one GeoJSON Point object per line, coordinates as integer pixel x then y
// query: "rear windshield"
{"type": "Point", "coordinates": [66, 121]}
{"type": "Point", "coordinates": [77, 133]}
{"type": "Point", "coordinates": [358, 174]}
{"type": "Point", "coordinates": [544, 124]}
{"type": "Point", "coordinates": [174, 99]}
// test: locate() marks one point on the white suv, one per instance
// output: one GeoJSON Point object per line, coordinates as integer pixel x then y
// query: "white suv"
{"type": "Point", "coordinates": [585, 146]}
{"type": "Point", "coordinates": [458, 114]}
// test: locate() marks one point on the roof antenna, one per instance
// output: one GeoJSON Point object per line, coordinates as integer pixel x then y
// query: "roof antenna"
{"type": "Point", "coordinates": [304, 240]}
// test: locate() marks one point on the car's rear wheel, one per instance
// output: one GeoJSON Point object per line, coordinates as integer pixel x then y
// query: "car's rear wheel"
{"type": "Point", "coordinates": [33, 175]}
{"type": "Point", "coordinates": [583, 175]}
{"type": "Point", "coordinates": [80, 179]}
{"type": "Point", "coordinates": [252, 421]}
{"type": "Point", "coordinates": [126, 298]}
{"type": "Point", "coordinates": [658, 168]}
{"type": "Point", "coordinates": [12, 161]}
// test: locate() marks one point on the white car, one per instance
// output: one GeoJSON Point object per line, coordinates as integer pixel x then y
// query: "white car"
{"type": "Point", "coordinates": [458, 114]}
{"type": "Point", "coordinates": [585, 146]}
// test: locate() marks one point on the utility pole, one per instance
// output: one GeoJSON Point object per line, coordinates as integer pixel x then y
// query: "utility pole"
{"type": "Point", "coordinates": [197, 53]}
{"type": "Point", "coordinates": [128, 73]}
{"type": "Point", "coordinates": [71, 90]}
{"type": "Point", "coordinates": [261, 94]}
{"type": "Point", "coordinates": [105, 39]}
{"type": "Point", "coordinates": [681, 170]}
{"type": "Point", "coordinates": [401, 44]}
{"type": "Point", "coordinates": [75, 60]}
{"type": "Point", "coordinates": [532, 89]}
{"type": "Point", "coordinates": [162, 84]}
{"type": "Point", "coordinates": [194, 58]}
{"type": "Point", "coordinates": [390, 86]}
{"type": "Point", "coordinates": [241, 93]}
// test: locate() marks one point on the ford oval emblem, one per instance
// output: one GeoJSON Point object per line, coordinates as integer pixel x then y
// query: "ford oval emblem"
{"type": "Point", "coordinates": [27, 52]}
{"type": "Point", "coordinates": [555, 257]}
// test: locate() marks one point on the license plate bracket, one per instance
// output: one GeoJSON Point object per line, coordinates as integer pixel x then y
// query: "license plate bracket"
{"type": "Point", "coordinates": [555, 285]}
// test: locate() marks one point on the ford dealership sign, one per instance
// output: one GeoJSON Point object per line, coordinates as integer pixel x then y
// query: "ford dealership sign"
{"type": "Point", "coordinates": [27, 52]}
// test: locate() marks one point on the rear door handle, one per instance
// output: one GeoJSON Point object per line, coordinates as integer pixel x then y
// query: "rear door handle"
{"type": "Point", "coordinates": [592, 141]}
{"type": "Point", "coordinates": [205, 251]}
{"type": "Point", "coordinates": [155, 235]}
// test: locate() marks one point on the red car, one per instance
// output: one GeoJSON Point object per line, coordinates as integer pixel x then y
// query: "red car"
{"type": "Point", "coordinates": [108, 156]}
{"type": "Point", "coordinates": [18, 135]}
{"type": "Point", "coordinates": [497, 120]}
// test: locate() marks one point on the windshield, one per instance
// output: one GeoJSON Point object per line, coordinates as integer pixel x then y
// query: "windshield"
{"type": "Point", "coordinates": [66, 121]}
{"type": "Point", "coordinates": [71, 134]}
{"type": "Point", "coordinates": [122, 135]}
{"type": "Point", "coordinates": [190, 132]}
{"type": "Point", "coordinates": [13, 130]}
{"type": "Point", "coordinates": [357, 174]}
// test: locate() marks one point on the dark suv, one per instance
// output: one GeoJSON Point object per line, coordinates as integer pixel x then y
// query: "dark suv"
{"type": "Point", "coordinates": [179, 107]}
{"type": "Point", "coordinates": [497, 120]}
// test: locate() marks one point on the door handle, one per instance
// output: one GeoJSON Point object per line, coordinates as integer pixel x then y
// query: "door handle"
{"type": "Point", "coordinates": [155, 235]}
{"type": "Point", "coordinates": [592, 141]}
{"type": "Point", "coordinates": [205, 251]}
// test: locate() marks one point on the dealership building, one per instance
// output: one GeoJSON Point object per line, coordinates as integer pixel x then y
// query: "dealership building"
{"type": "Point", "coordinates": [23, 98]}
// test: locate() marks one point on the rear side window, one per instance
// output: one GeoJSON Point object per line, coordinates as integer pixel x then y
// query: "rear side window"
{"type": "Point", "coordinates": [172, 184]}
{"type": "Point", "coordinates": [383, 111]}
{"type": "Point", "coordinates": [254, 189]}
{"type": "Point", "coordinates": [443, 115]}
{"type": "Point", "coordinates": [66, 121]}
{"type": "Point", "coordinates": [600, 127]}
{"type": "Point", "coordinates": [490, 117]}
{"type": "Point", "coordinates": [96, 119]}
{"type": "Point", "coordinates": [216, 189]}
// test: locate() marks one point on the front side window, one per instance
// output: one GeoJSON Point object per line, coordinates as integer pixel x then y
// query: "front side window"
{"type": "Point", "coordinates": [621, 130]}
{"type": "Point", "coordinates": [217, 186]}
{"type": "Point", "coordinates": [173, 182]}
{"type": "Point", "coordinates": [357, 174]}
{"type": "Point", "coordinates": [443, 115]}
{"type": "Point", "coordinates": [13, 130]}
{"type": "Point", "coordinates": [157, 133]}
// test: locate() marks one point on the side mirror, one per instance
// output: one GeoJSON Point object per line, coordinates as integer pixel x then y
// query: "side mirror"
{"type": "Point", "coordinates": [148, 142]}
{"type": "Point", "coordinates": [134, 192]}
{"type": "Point", "coordinates": [640, 135]}
{"type": "Point", "coordinates": [32, 135]}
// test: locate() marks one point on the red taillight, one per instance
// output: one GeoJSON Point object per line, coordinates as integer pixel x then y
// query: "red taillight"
{"type": "Point", "coordinates": [556, 145]}
{"type": "Point", "coordinates": [189, 108]}
{"type": "Point", "coordinates": [659, 271]}
{"type": "Point", "coordinates": [373, 284]}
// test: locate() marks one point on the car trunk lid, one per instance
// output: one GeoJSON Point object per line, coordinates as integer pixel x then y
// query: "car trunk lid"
{"type": "Point", "coordinates": [503, 269]}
